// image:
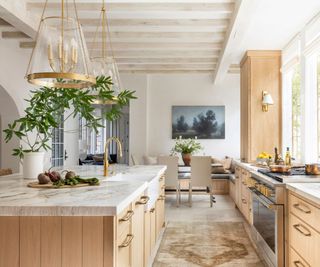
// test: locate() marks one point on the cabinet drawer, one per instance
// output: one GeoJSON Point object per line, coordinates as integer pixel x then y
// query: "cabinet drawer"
{"type": "Point", "coordinates": [304, 239]}
{"type": "Point", "coordinates": [124, 220]}
{"type": "Point", "coordinates": [295, 260]}
{"type": "Point", "coordinates": [305, 211]}
{"type": "Point", "coordinates": [124, 249]}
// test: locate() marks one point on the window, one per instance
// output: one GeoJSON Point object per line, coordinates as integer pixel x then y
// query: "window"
{"type": "Point", "coordinates": [57, 157]}
{"type": "Point", "coordinates": [296, 113]}
{"type": "Point", "coordinates": [318, 106]}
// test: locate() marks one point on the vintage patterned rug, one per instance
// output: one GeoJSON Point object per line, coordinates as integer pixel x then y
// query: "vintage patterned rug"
{"type": "Point", "coordinates": [194, 244]}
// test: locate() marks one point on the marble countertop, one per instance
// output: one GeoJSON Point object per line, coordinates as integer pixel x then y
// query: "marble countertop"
{"type": "Point", "coordinates": [108, 199]}
{"type": "Point", "coordinates": [310, 191]}
{"type": "Point", "coordinates": [286, 178]}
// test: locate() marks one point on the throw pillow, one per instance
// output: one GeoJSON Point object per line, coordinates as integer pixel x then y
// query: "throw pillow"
{"type": "Point", "coordinates": [216, 161]}
{"type": "Point", "coordinates": [218, 170]}
{"type": "Point", "coordinates": [98, 158]}
{"type": "Point", "coordinates": [227, 163]}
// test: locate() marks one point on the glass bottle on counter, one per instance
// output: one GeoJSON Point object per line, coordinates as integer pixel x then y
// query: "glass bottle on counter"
{"type": "Point", "coordinates": [276, 155]}
{"type": "Point", "coordinates": [288, 157]}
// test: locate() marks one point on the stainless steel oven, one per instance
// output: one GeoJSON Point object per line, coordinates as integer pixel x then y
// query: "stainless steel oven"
{"type": "Point", "coordinates": [268, 222]}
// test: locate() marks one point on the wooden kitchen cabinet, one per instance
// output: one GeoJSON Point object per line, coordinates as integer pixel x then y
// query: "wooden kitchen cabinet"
{"type": "Point", "coordinates": [238, 186]}
{"type": "Point", "coordinates": [304, 232]}
{"type": "Point", "coordinates": [242, 194]}
{"type": "Point", "coordinates": [138, 224]}
{"type": "Point", "coordinates": [147, 237]}
{"type": "Point", "coordinates": [153, 233]}
{"type": "Point", "coordinates": [260, 131]}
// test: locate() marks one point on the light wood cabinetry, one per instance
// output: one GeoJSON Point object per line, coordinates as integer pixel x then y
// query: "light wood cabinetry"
{"type": "Point", "coordinates": [138, 231]}
{"type": "Point", "coordinates": [260, 131]}
{"type": "Point", "coordinates": [125, 240]}
{"type": "Point", "coordinates": [232, 190]}
{"type": "Point", "coordinates": [243, 197]}
{"type": "Point", "coordinates": [237, 186]}
{"type": "Point", "coordinates": [303, 231]}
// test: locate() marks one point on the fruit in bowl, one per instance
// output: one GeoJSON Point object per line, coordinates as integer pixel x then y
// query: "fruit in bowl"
{"type": "Point", "coordinates": [263, 158]}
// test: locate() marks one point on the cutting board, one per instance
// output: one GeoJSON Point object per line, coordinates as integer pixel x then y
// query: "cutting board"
{"type": "Point", "coordinates": [51, 186]}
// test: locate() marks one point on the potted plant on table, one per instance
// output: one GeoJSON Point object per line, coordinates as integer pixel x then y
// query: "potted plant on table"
{"type": "Point", "coordinates": [45, 112]}
{"type": "Point", "coordinates": [186, 147]}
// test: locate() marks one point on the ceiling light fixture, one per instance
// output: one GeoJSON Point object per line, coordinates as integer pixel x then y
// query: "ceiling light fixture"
{"type": "Point", "coordinates": [104, 63]}
{"type": "Point", "coordinates": [60, 57]}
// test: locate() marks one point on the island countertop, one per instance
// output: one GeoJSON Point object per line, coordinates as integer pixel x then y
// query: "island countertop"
{"type": "Point", "coordinates": [108, 199]}
{"type": "Point", "coordinates": [310, 191]}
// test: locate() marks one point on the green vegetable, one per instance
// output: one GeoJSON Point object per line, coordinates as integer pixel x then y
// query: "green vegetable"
{"type": "Point", "coordinates": [76, 180]}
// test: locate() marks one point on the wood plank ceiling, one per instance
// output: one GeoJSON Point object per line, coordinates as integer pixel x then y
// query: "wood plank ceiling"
{"type": "Point", "coordinates": [153, 36]}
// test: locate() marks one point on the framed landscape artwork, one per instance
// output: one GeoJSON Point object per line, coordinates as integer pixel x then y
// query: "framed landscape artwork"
{"type": "Point", "coordinates": [203, 122]}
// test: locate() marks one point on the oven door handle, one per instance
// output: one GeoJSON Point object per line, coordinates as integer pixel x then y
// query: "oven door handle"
{"type": "Point", "coordinates": [265, 202]}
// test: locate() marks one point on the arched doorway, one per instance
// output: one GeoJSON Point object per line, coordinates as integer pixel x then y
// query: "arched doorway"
{"type": "Point", "coordinates": [8, 113]}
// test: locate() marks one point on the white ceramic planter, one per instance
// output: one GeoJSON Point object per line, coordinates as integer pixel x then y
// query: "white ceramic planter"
{"type": "Point", "coordinates": [33, 164]}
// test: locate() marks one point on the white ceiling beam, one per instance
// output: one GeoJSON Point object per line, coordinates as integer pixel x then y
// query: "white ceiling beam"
{"type": "Point", "coordinates": [16, 14]}
{"type": "Point", "coordinates": [120, 46]}
{"type": "Point", "coordinates": [163, 54]}
{"type": "Point", "coordinates": [214, 23]}
{"type": "Point", "coordinates": [168, 71]}
{"type": "Point", "coordinates": [89, 6]}
{"type": "Point", "coordinates": [158, 28]}
{"type": "Point", "coordinates": [238, 25]}
{"type": "Point", "coordinates": [141, 1]}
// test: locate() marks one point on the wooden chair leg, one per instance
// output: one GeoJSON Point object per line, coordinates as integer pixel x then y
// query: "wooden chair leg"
{"type": "Point", "coordinates": [178, 193]}
{"type": "Point", "coordinates": [190, 194]}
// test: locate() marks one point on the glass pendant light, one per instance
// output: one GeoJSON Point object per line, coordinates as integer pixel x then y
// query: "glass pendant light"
{"type": "Point", "coordinates": [60, 57]}
{"type": "Point", "coordinates": [104, 63]}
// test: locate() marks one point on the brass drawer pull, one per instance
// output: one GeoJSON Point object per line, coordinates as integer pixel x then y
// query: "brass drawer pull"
{"type": "Point", "coordinates": [244, 201]}
{"type": "Point", "coordinates": [302, 208]}
{"type": "Point", "coordinates": [152, 210]}
{"type": "Point", "coordinates": [300, 229]}
{"type": "Point", "coordinates": [161, 178]}
{"type": "Point", "coordinates": [161, 197]}
{"type": "Point", "coordinates": [143, 200]}
{"type": "Point", "coordinates": [298, 264]}
{"type": "Point", "coordinates": [127, 217]}
{"type": "Point", "coordinates": [163, 187]}
{"type": "Point", "coordinates": [127, 241]}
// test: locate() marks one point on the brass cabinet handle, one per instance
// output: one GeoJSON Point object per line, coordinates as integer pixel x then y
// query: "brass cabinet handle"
{"type": "Point", "coordinates": [163, 187]}
{"type": "Point", "coordinates": [302, 208]}
{"type": "Point", "coordinates": [244, 201]}
{"type": "Point", "coordinates": [152, 210]}
{"type": "Point", "coordinates": [298, 264]}
{"type": "Point", "coordinates": [143, 200]}
{"type": "Point", "coordinates": [127, 217]}
{"type": "Point", "coordinates": [161, 197]}
{"type": "Point", "coordinates": [161, 178]}
{"type": "Point", "coordinates": [127, 241]}
{"type": "Point", "coordinates": [300, 228]}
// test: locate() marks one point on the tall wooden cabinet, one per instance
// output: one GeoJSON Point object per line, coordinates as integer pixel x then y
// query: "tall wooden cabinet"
{"type": "Point", "coordinates": [260, 131]}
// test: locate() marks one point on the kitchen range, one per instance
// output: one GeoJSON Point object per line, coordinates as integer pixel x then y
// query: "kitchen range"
{"type": "Point", "coordinates": [267, 208]}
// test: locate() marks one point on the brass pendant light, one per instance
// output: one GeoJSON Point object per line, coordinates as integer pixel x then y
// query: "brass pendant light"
{"type": "Point", "coordinates": [104, 63]}
{"type": "Point", "coordinates": [60, 57]}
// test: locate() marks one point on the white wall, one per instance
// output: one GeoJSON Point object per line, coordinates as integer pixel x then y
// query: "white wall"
{"type": "Point", "coordinates": [138, 114]}
{"type": "Point", "coordinates": [150, 115]}
{"type": "Point", "coordinates": [8, 113]}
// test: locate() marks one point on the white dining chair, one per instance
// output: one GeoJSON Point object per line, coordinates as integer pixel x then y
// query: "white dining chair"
{"type": "Point", "coordinates": [201, 174]}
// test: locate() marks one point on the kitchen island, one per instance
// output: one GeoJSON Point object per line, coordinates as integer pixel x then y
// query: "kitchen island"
{"type": "Point", "coordinates": [114, 224]}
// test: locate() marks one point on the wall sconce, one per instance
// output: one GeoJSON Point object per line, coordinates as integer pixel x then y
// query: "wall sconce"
{"type": "Point", "coordinates": [266, 101]}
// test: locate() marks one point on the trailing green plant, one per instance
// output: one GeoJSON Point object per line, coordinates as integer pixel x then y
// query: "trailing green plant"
{"type": "Point", "coordinates": [186, 146]}
{"type": "Point", "coordinates": [47, 106]}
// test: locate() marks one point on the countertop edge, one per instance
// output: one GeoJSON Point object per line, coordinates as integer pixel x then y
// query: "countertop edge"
{"type": "Point", "coordinates": [303, 193]}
